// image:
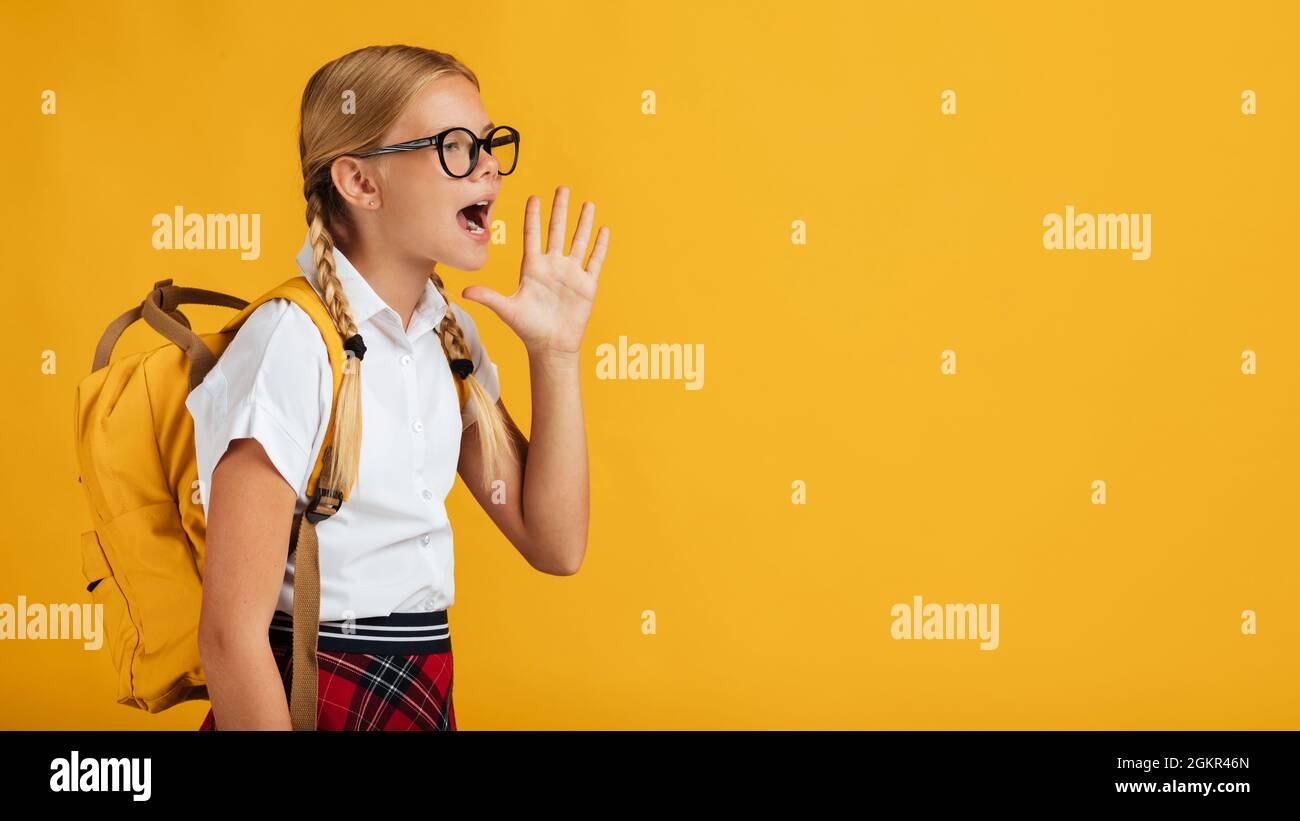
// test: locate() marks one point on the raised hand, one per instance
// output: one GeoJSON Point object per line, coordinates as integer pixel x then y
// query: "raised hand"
{"type": "Point", "coordinates": [550, 308]}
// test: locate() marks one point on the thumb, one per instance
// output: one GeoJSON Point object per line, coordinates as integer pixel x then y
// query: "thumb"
{"type": "Point", "coordinates": [484, 295]}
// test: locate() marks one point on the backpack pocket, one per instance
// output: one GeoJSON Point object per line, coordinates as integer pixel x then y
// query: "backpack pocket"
{"type": "Point", "coordinates": [120, 634]}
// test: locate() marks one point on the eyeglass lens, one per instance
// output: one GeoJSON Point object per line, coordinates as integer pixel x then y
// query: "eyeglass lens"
{"type": "Point", "coordinates": [458, 151]}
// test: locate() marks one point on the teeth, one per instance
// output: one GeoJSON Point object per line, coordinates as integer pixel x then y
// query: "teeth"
{"type": "Point", "coordinates": [474, 227]}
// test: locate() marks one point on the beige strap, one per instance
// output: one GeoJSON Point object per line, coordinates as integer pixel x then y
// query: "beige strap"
{"type": "Point", "coordinates": [159, 309]}
{"type": "Point", "coordinates": [104, 350]}
{"type": "Point", "coordinates": [171, 296]}
{"type": "Point", "coordinates": [306, 623]}
{"type": "Point", "coordinates": [201, 356]}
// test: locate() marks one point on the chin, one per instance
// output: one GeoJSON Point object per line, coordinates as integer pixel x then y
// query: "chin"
{"type": "Point", "coordinates": [460, 253]}
{"type": "Point", "coordinates": [466, 260]}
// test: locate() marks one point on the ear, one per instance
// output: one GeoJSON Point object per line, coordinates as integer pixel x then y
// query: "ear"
{"type": "Point", "coordinates": [356, 182]}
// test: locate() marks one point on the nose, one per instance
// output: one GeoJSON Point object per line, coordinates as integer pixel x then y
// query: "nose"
{"type": "Point", "coordinates": [487, 164]}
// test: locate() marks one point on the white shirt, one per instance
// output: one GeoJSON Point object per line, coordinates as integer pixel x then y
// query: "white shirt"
{"type": "Point", "coordinates": [389, 548]}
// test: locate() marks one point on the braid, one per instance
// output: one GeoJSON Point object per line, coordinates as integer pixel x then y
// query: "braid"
{"type": "Point", "coordinates": [343, 457]}
{"type": "Point", "coordinates": [335, 300]}
{"type": "Point", "coordinates": [496, 443]}
{"type": "Point", "coordinates": [453, 338]}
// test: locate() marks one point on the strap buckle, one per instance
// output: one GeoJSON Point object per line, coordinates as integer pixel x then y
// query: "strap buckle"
{"type": "Point", "coordinates": [325, 502]}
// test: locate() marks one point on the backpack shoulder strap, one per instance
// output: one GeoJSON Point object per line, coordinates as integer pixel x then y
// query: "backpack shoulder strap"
{"type": "Point", "coordinates": [303, 539]}
{"type": "Point", "coordinates": [300, 292]}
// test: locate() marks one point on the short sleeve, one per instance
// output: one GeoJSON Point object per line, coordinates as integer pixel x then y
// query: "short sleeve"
{"type": "Point", "coordinates": [273, 383]}
{"type": "Point", "coordinates": [485, 370]}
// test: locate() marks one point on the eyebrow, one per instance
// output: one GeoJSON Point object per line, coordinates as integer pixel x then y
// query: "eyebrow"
{"type": "Point", "coordinates": [491, 125]}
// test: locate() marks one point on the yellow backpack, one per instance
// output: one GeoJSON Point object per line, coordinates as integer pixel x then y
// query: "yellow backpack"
{"type": "Point", "coordinates": [143, 559]}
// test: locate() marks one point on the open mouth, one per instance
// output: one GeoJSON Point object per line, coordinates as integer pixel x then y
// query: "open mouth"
{"type": "Point", "coordinates": [474, 217]}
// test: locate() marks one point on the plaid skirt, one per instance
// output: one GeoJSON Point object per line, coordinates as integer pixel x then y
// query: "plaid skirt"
{"type": "Point", "coordinates": [384, 673]}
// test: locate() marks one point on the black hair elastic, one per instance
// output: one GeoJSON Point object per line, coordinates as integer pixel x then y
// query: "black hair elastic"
{"type": "Point", "coordinates": [463, 367]}
{"type": "Point", "coordinates": [353, 343]}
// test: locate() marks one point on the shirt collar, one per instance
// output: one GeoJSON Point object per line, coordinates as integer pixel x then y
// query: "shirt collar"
{"type": "Point", "coordinates": [362, 299]}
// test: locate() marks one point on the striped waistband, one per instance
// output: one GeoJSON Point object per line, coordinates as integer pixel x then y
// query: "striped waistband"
{"type": "Point", "coordinates": [397, 634]}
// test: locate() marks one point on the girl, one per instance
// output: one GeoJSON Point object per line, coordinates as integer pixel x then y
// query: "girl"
{"type": "Point", "coordinates": [401, 169]}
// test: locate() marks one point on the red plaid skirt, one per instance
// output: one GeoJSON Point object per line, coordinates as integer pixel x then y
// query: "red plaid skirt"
{"type": "Point", "coordinates": [386, 673]}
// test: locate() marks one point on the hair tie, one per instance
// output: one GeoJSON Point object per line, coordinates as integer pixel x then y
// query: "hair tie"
{"type": "Point", "coordinates": [463, 367]}
{"type": "Point", "coordinates": [353, 343]}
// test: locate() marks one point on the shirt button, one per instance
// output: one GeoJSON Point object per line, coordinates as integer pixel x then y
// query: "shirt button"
{"type": "Point", "coordinates": [406, 359]}
{"type": "Point", "coordinates": [426, 539]}
{"type": "Point", "coordinates": [430, 604]}
{"type": "Point", "coordinates": [428, 495]}
{"type": "Point", "coordinates": [417, 426]}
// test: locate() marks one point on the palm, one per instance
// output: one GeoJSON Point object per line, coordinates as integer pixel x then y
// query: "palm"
{"type": "Point", "coordinates": [550, 308]}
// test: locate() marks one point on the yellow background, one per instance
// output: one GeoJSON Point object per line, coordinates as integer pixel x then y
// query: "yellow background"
{"type": "Point", "coordinates": [822, 361]}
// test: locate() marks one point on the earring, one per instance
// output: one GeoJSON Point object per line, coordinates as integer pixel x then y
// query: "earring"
{"type": "Point", "coordinates": [372, 202]}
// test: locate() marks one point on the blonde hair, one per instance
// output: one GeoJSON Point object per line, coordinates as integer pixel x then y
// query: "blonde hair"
{"type": "Point", "coordinates": [386, 78]}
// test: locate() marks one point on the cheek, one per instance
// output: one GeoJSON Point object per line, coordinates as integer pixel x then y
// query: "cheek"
{"type": "Point", "coordinates": [426, 204]}
{"type": "Point", "coordinates": [422, 184]}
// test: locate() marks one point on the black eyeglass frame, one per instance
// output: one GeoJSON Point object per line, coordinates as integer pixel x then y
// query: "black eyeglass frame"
{"type": "Point", "coordinates": [476, 143]}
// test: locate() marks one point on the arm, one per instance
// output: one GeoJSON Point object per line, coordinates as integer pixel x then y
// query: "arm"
{"type": "Point", "coordinates": [546, 505]}
{"type": "Point", "coordinates": [249, 519]}
{"type": "Point", "coordinates": [543, 505]}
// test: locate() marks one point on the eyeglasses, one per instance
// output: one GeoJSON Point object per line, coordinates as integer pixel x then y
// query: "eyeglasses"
{"type": "Point", "coordinates": [458, 149]}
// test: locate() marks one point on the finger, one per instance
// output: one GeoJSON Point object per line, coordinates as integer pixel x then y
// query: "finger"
{"type": "Point", "coordinates": [582, 233]}
{"type": "Point", "coordinates": [484, 295]}
{"type": "Point", "coordinates": [533, 225]}
{"type": "Point", "coordinates": [598, 253]}
{"type": "Point", "coordinates": [559, 216]}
